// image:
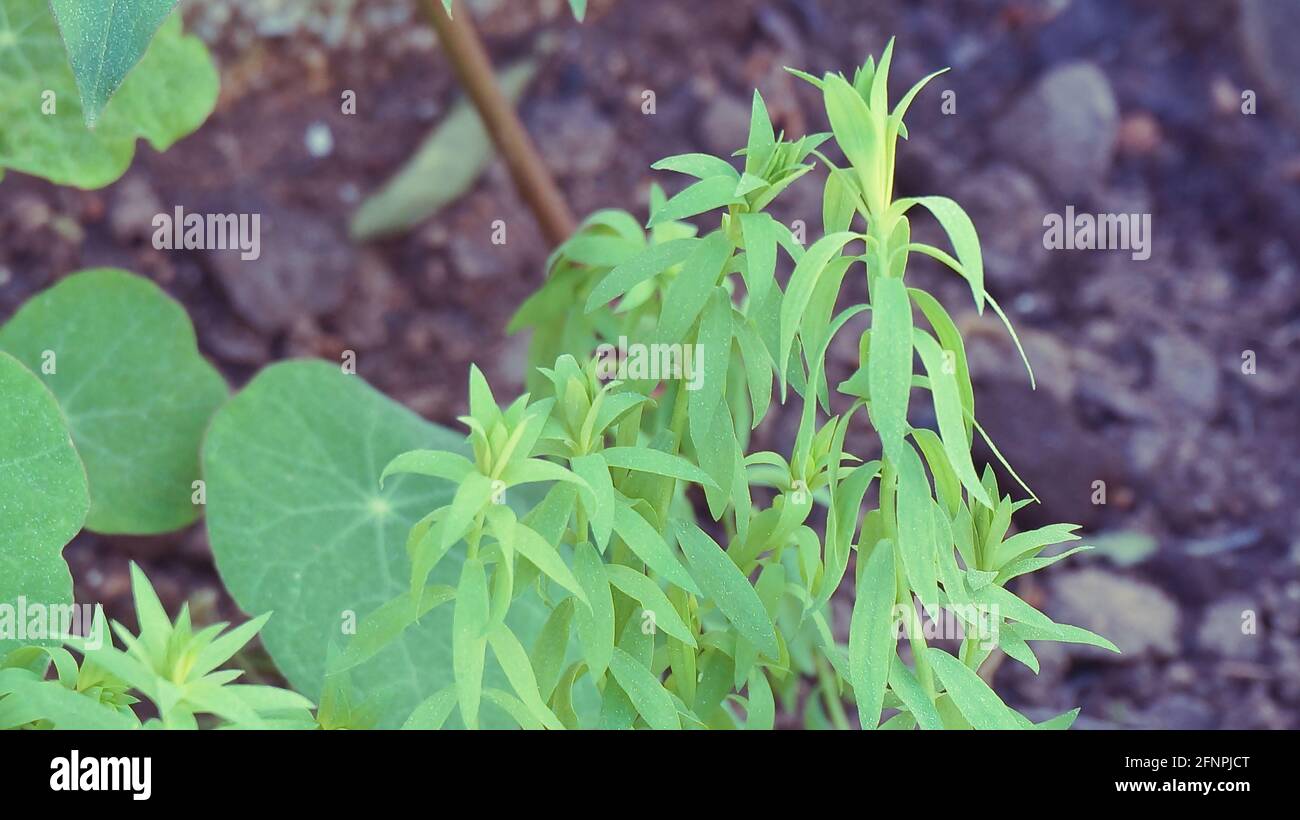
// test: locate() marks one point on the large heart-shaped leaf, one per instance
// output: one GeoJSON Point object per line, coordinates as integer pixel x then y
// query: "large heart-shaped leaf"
{"type": "Point", "coordinates": [43, 496]}
{"type": "Point", "coordinates": [121, 358]}
{"type": "Point", "coordinates": [300, 526]}
{"type": "Point", "coordinates": [43, 129]}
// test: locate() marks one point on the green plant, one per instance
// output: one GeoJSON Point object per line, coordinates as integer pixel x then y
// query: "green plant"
{"type": "Point", "coordinates": [170, 663]}
{"type": "Point", "coordinates": [673, 638]}
{"type": "Point", "coordinates": [600, 552]}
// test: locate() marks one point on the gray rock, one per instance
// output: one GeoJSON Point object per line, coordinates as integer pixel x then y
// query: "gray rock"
{"type": "Point", "coordinates": [493, 216]}
{"type": "Point", "coordinates": [1141, 619]}
{"type": "Point", "coordinates": [135, 204]}
{"type": "Point", "coordinates": [375, 293]}
{"type": "Point", "coordinates": [233, 341]}
{"type": "Point", "coordinates": [725, 125]}
{"type": "Point", "coordinates": [1064, 129]}
{"type": "Point", "coordinates": [1284, 607]}
{"type": "Point", "coordinates": [1186, 373]}
{"type": "Point", "coordinates": [1257, 710]}
{"type": "Point", "coordinates": [1224, 629]}
{"type": "Point", "coordinates": [1044, 688]}
{"type": "Point", "coordinates": [1269, 31]}
{"type": "Point", "coordinates": [1178, 712]}
{"type": "Point", "coordinates": [1007, 207]}
{"type": "Point", "coordinates": [573, 137]}
{"type": "Point", "coordinates": [302, 271]}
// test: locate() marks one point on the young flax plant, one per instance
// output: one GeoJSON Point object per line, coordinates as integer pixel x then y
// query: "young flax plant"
{"type": "Point", "coordinates": [670, 618]}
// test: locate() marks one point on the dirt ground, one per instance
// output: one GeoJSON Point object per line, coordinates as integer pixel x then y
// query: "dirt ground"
{"type": "Point", "coordinates": [1172, 380]}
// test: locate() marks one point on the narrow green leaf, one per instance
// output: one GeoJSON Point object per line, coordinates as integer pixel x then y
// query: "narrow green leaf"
{"type": "Point", "coordinates": [706, 389]}
{"type": "Point", "coordinates": [904, 684]}
{"type": "Point", "coordinates": [839, 202]}
{"type": "Point", "coordinates": [727, 587]}
{"type": "Point", "coordinates": [654, 260]}
{"type": "Point", "coordinates": [652, 599]}
{"type": "Point", "coordinates": [1034, 625]}
{"type": "Point", "coordinates": [646, 693]}
{"type": "Point", "coordinates": [1059, 723]}
{"type": "Point", "coordinates": [593, 469]}
{"type": "Point", "coordinates": [433, 712]}
{"type": "Point", "coordinates": [758, 368]}
{"type": "Point", "coordinates": [889, 367]}
{"type": "Point", "coordinates": [656, 462]}
{"type": "Point", "coordinates": [697, 198]}
{"type": "Point", "coordinates": [803, 281]}
{"type": "Point", "coordinates": [948, 411]}
{"type": "Point", "coordinates": [551, 647]}
{"type": "Point", "coordinates": [872, 637]}
{"type": "Point", "coordinates": [515, 708]}
{"type": "Point", "coordinates": [545, 557]}
{"type": "Point", "coordinates": [950, 575]}
{"type": "Point", "coordinates": [690, 291]}
{"type": "Point", "coordinates": [1030, 541]}
{"type": "Point", "coordinates": [760, 713]}
{"type": "Point", "coordinates": [648, 545]}
{"type": "Point", "coordinates": [760, 235]}
{"type": "Point", "coordinates": [857, 134]}
{"type": "Point", "coordinates": [979, 704]}
{"type": "Point", "coordinates": [1023, 566]}
{"type": "Point", "coordinates": [945, 329]}
{"type": "Point", "coordinates": [467, 641]}
{"type": "Point", "coordinates": [700, 166]}
{"type": "Point", "coordinates": [961, 232]}
{"type": "Point", "coordinates": [1016, 648]}
{"type": "Point", "coordinates": [473, 494]}
{"type": "Point", "coordinates": [1062, 633]}
{"type": "Point", "coordinates": [935, 253]}
{"type": "Point", "coordinates": [762, 140]}
{"type": "Point", "coordinates": [916, 528]}
{"type": "Point", "coordinates": [596, 621]}
{"type": "Point", "coordinates": [433, 463]}
{"type": "Point", "coordinates": [514, 662]}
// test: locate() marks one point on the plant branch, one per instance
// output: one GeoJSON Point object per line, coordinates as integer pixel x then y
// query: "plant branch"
{"type": "Point", "coordinates": [473, 67]}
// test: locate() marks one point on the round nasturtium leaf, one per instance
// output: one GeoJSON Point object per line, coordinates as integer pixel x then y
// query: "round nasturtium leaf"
{"type": "Point", "coordinates": [300, 527]}
{"type": "Point", "coordinates": [165, 96]}
{"type": "Point", "coordinates": [121, 358]}
{"type": "Point", "coordinates": [43, 500]}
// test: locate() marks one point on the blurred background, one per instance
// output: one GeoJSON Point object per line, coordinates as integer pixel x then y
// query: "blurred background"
{"type": "Point", "coordinates": [1172, 380]}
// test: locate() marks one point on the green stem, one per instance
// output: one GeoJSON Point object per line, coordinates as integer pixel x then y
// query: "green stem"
{"type": "Point", "coordinates": [677, 425]}
{"type": "Point", "coordinates": [924, 674]}
{"type": "Point", "coordinates": [831, 694]}
{"type": "Point", "coordinates": [475, 535]}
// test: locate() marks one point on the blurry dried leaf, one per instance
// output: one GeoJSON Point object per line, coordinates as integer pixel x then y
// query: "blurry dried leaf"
{"type": "Point", "coordinates": [446, 166]}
